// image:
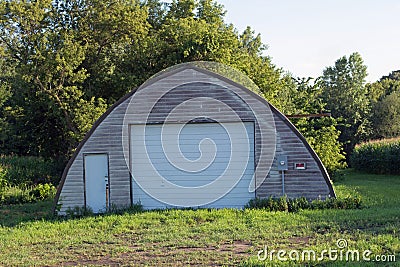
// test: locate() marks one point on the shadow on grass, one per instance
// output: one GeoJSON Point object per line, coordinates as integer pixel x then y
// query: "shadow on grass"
{"type": "Point", "coordinates": [12, 215]}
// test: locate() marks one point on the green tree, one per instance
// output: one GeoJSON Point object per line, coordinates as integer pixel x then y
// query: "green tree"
{"type": "Point", "coordinates": [5, 94]}
{"type": "Point", "coordinates": [46, 59]}
{"type": "Point", "coordinates": [72, 59]}
{"type": "Point", "coordinates": [65, 54]}
{"type": "Point", "coordinates": [156, 11]}
{"type": "Point", "coordinates": [385, 106]}
{"type": "Point", "coordinates": [108, 30]}
{"type": "Point", "coordinates": [385, 86]}
{"type": "Point", "coordinates": [196, 31]}
{"type": "Point", "coordinates": [180, 9]}
{"type": "Point", "coordinates": [210, 11]}
{"type": "Point", "coordinates": [321, 133]}
{"type": "Point", "coordinates": [346, 96]}
{"type": "Point", "coordinates": [386, 116]}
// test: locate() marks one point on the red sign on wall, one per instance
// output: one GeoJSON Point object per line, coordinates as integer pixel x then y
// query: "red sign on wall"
{"type": "Point", "coordinates": [300, 166]}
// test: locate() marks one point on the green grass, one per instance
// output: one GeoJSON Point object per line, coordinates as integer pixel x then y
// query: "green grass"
{"type": "Point", "coordinates": [30, 237]}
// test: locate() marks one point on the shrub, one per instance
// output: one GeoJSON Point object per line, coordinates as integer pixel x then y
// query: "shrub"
{"type": "Point", "coordinates": [25, 194]}
{"type": "Point", "coordinates": [3, 181]}
{"type": "Point", "coordinates": [349, 202]}
{"type": "Point", "coordinates": [270, 204]}
{"type": "Point", "coordinates": [379, 157]}
{"type": "Point", "coordinates": [296, 204]}
{"type": "Point", "coordinates": [16, 195]}
{"type": "Point", "coordinates": [44, 191]}
{"type": "Point", "coordinates": [18, 170]}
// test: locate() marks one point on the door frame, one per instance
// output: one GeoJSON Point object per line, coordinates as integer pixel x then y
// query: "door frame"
{"type": "Point", "coordinates": [108, 191]}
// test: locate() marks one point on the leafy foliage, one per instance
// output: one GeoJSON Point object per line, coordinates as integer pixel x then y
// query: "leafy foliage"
{"type": "Point", "coordinates": [386, 116]}
{"type": "Point", "coordinates": [5, 94]}
{"type": "Point", "coordinates": [27, 179]}
{"type": "Point", "coordinates": [67, 61]}
{"type": "Point", "coordinates": [385, 104]}
{"type": "Point", "coordinates": [321, 133]}
{"type": "Point", "coordinates": [323, 137]}
{"type": "Point", "coordinates": [345, 95]}
{"type": "Point", "coordinates": [381, 157]}
{"type": "Point", "coordinates": [58, 50]}
{"type": "Point", "coordinates": [44, 191]}
{"type": "Point", "coordinates": [28, 171]}
{"type": "Point", "coordinates": [134, 208]}
{"type": "Point", "coordinates": [385, 86]}
{"type": "Point", "coordinates": [10, 195]}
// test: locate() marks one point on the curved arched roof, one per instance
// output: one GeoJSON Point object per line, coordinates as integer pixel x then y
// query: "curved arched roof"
{"type": "Point", "coordinates": [199, 66]}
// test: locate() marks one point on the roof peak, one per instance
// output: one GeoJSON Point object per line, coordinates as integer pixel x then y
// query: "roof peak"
{"type": "Point", "coordinates": [217, 68]}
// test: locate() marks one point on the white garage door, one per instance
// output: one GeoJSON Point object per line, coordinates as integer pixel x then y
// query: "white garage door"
{"type": "Point", "coordinates": [192, 165]}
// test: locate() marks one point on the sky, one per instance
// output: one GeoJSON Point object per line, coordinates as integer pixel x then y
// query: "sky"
{"type": "Point", "coordinates": [306, 36]}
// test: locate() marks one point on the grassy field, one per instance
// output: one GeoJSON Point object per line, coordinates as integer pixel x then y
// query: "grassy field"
{"type": "Point", "coordinates": [30, 237]}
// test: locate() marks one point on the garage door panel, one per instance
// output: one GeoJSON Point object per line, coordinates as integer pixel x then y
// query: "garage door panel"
{"type": "Point", "coordinates": [186, 149]}
{"type": "Point", "coordinates": [158, 152]}
{"type": "Point", "coordinates": [221, 161]}
{"type": "Point", "coordinates": [188, 175]}
{"type": "Point", "coordinates": [185, 178]}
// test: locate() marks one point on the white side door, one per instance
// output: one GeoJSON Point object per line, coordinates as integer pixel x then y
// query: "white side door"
{"type": "Point", "coordinates": [96, 181]}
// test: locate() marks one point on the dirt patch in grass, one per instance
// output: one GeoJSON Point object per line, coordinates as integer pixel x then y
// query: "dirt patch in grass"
{"type": "Point", "coordinates": [106, 261]}
{"type": "Point", "coordinates": [237, 247]}
{"type": "Point", "coordinates": [297, 240]}
{"type": "Point", "coordinates": [159, 254]}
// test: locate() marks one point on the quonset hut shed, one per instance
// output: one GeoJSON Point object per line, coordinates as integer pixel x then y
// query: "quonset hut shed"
{"type": "Point", "coordinates": [194, 135]}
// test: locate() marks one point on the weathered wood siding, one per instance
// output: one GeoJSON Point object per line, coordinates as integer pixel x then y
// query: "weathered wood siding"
{"type": "Point", "coordinates": [175, 88]}
{"type": "Point", "coordinates": [105, 139]}
{"type": "Point", "coordinates": [309, 183]}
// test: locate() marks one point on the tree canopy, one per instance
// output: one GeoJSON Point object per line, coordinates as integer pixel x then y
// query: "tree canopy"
{"type": "Point", "coordinates": [346, 96]}
{"type": "Point", "coordinates": [67, 61]}
{"type": "Point", "coordinates": [64, 62]}
{"type": "Point", "coordinates": [385, 104]}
